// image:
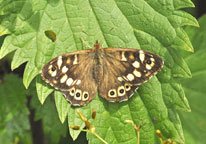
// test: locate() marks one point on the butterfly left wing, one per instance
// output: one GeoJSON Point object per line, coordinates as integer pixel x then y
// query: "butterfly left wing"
{"type": "Point", "coordinates": [71, 73]}
{"type": "Point", "coordinates": [124, 70]}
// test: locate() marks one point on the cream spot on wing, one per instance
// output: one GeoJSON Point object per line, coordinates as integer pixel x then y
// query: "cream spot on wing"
{"type": "Point", "coordinates": [125, 78]}
{"type": "Point", "coordinates": [74, 82]}
{"type": "Point", "coordinates": [123, 100]}
{"type": "Point", "coordinates": [52, 69]}
{"type": "Point", "coordinates": [54, 81]}
{"type": "Point", "coordinates": [123, 57]}
{"type": "Point", "coordinates": [152, 59]}
{"type": "Point", "coordinates": [136, 64]}
{"type": "Point", "coordinates": [78, 82]}
{"type": "Point", "coordinates": [131, 56]}
{"type": "Point", "coordinates": [147, 74]}
{"type": "Point", "coordinates": [72, 91]}
{"type": "Point", "coordinates": [130, 77]}
{"type": "Point", "coordinates": [59, 62]}
{"type": "Point", "coordinates": [112, 93]}
{"type": "Point", "coordinates": [121, 91]}
{"type": "Point", "coordinates": [148, 67]}
{"type": "Point", "coordinates": [141, 55]}
{"type": "Point", "coordinates": [153, 62]}
{"type": "Point", "coordinates": [69, 81]}
{"type": "Point", "coordinates": [85, 96]}
{"type": "Point", "coordinates": [63, 79]}
{"type": "Point", "coordinates": [120, 79]}
{"type": "Point", "coordinates": [54, 74]}
{"type": "Point", "coordinates": [50, 66]}
{"type": "Point", "coordinates": [64, 69]}
{"type": "Point", "coordinates": [78, 95]}
{"type": "Point", "coordinates": [68, 60]}
{"type": "Point", "coordinates": [137, 73]}
{"type": "Point", "coordinates": [75, 60]}
{"type": "Point", "coordinates": [127, 86]}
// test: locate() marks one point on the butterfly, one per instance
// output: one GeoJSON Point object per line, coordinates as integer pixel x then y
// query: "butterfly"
{"type": "Point", "coordinates": [115, 73]}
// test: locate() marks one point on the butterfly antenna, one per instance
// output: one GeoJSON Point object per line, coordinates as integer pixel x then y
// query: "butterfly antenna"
{"type": "Point", "coordinates": [85, 43]}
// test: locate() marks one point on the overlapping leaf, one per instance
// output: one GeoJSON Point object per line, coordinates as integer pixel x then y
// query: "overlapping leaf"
{"type": "Point", "coordinates": [13, 110]}
{"type": "Point", "coordinates": [54, 130]}
{"type": "Point", "coordinates": [194, 123]}
{"type": "Point", "coordinates": [150, 25]}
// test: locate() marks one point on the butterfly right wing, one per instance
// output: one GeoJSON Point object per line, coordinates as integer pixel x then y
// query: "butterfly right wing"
{"type": "Point", "coordinates": [112, 86]}
{"type": "Point", "coordinates": [124, 70]}
{"type": "Point", "coordinates": [72, 74]}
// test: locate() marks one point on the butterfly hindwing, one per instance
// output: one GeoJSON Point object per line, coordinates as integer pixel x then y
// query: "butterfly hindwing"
{"type": "Point", "coordinates": [65, 73]}
{"type": "Point", "coordinates": [125, 70]}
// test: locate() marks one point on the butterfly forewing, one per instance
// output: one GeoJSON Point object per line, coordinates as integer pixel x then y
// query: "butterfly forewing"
{"type": "Point", "coordinates": [72, 74]}
{"type": "Point", "coordinates": [125, 70]}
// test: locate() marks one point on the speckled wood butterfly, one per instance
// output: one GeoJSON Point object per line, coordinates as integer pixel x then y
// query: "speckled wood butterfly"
{"type": "Point", "coordinates": [114, 72]}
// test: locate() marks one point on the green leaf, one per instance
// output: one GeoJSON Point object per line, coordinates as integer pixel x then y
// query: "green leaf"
{"type": "Point", "coordinates": [54, 130]}
{"type": "Point", "coordinates": [175, 66]}
{"type": "Point", "coordinates": [11, 95]}
{"type": "Point", "coordinates": [62, 106]}
{"type": "Point", "coordinates": [194, 122]}
{"type": "Point", "coordinates": [174, 96]}
{"type": "Point", "coordinates": [182, 41]}
{"type": "Point", "coordinates": [155, 26]}
{"type": "Point", "coordinates": [29, 73]}
{"type": "Point", "coordinates": [152, 99]}
{"type": "Point", "coordinates": [181, 18]}
{"type": "Point", "coordinates": [42, 90]}
{"type": "Point", "coordinates": [180, 69]}
{"type": "Point", "coordinates": [8, 7]}
{"type": "Point", "coordinates": [178, 4]}
{"type": "Point", "coordinates": [13, 111]}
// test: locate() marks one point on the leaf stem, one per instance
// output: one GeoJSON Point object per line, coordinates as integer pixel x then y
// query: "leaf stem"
{"type": "Point", "coordinates": [100, 138]}
{"type": "Point", "coordinates": [138, 137]}
{"type": "Point", "coordinates": [94, 133]}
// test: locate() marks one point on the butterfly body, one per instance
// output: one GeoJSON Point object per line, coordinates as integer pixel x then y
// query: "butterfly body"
{"type": "Point", "coordinates": [114, 72]}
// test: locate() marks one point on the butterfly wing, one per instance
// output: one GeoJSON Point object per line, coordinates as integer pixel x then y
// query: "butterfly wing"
{"type": "Point", "coordinates": [124, 70]}
{"type": "Point", "coordinates": [72, 74]}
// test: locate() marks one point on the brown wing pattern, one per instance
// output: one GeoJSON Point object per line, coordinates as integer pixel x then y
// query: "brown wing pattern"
{"type": "Point", "coordinates": [72, 74]}
{"type": "Point", "coordinates": [115, 72]}
{"type": "Point", "coordinates": [124, 70]}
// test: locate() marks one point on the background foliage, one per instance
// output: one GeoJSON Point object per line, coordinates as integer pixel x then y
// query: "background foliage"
{"type": "Point", "coordinates": [149, 25]}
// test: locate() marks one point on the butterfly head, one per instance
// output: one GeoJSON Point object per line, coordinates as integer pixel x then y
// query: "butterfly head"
{"type": "Point", "coordinates": [97, 46]}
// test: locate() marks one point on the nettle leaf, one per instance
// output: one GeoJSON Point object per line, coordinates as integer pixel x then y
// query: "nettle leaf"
{"type": "Point", "coordinates": [13, 110]}
{"type": "Point", "coordinates": [194, 122]}
{"type": "Point", "coordinates": [62, 106]}
{"type": "Point", "coordinates": [150, 25]}
{"type": "Point", "coordinates": [53, 129]}
{"type": "Point", "coordinates": [42, 89]}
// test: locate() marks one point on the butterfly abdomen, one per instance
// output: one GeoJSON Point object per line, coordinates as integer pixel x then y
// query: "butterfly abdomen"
{"type": "Point", "coordinates": [97, 70]}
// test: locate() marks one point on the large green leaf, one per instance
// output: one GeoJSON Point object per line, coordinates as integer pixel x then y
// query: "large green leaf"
{"type": "Point", "coordinates": [14, 121]}
{"type": "Point", "coordinates": [151, 25]}
{"type": "Point", "coordinates": [194, 123]}
{"type": "Point", "coordinates": [53, 129]}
